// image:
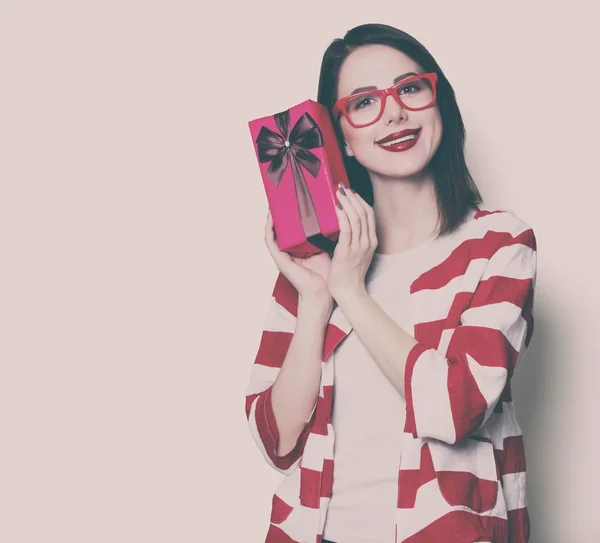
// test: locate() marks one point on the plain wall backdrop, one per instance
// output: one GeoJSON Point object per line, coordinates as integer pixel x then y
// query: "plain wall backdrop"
{"type": "Point", "coordinates": [134, 275]}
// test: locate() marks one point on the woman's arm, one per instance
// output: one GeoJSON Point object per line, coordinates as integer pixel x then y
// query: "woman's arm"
{"type": "Point", "coordinates": [387, 343]}
{"type": "Point", "coordinates": [296, 389]}
{"type": "Point", "coordinates": [286, 375]}
{"type": "Point", "coordinates": [449, 397]}
{"type": "Point", "coordinates": [451, 392]}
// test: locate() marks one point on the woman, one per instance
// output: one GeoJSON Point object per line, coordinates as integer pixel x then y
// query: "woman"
{"type": "Point", "coordinates": [422, 313]}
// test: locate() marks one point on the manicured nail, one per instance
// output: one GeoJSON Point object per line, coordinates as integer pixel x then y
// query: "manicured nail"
{"type": "Point", "coordinates": [344, 184]}
{"type": "Point", "coordinates": [341, 189]}
{"type": "Point", "coordinates": [339, 205]}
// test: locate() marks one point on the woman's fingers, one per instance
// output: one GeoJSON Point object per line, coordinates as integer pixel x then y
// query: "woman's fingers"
{"type": "Point", "coordinates": [271, 241]}
{"type": "Point", "coordinates": [269, 231]}
{"type": "Point", "coordinates": [358, 219]}
{"type": "Point", "coordinates": [371, 228]}
{"type": "Point", "coordinates": [352, 218]}
{"type": "Point", "coordinates": [345, 237]}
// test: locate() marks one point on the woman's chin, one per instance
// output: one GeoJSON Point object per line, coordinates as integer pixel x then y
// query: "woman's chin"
{"type": "Point", "coordinates": [398, 172]}
{"type": "Point", "coordinates": [401, 165]}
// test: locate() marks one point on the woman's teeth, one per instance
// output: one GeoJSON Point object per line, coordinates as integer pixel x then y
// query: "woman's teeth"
{"type": "Point", "coordinates": [400, 140]}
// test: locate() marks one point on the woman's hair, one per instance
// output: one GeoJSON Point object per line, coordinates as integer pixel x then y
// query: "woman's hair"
{"type": "Point", "coordinates": [455, 189]}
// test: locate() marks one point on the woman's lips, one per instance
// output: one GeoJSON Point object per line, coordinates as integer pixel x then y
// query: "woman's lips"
{"type": "Point", "coordinates": [399, 147]}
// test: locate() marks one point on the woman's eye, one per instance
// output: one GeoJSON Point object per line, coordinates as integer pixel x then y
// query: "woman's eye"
{"type": "Point", "coordinates": [415, 87]}
{"type": "Point", "coordinates": [362, 103]}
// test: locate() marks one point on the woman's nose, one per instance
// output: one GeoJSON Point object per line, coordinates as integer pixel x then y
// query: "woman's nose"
{"type": "Point", "coordinates": [393, 109]}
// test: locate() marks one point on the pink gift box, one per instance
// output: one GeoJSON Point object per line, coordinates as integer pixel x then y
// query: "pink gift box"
{"type": "Point", "coordinates": [301, 166]}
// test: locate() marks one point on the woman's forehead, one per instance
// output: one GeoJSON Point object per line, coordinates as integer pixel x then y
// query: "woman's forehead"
{"type": "Point", "coordinates": [373, 65]}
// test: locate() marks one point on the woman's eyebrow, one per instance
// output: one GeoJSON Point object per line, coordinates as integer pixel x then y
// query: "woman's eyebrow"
{"type": "Point", "coordinates": [373, 87]}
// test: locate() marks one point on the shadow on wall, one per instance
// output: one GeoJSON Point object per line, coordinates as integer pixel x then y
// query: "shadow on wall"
{"type": "Point", "coordinates": [532, 386]}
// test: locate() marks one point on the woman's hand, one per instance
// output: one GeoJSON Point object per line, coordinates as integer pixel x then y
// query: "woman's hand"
{"type": "Point", "coordinates": [307, 275]}
{"type": "Point", "coordinates": [356, 244]}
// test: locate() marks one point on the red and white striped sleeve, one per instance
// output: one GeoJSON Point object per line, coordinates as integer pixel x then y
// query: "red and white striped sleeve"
{"type": "Point", "coordinates": [278, 330]}
{"type": "Point", "coordinates": [450, 396]}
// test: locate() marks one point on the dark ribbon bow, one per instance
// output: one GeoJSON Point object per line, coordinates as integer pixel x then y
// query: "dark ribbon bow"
{"type": "Point", "coordinates": [293, 148]}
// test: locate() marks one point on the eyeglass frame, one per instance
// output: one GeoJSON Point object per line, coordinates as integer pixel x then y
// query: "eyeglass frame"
{"type": "Point", "coordinates": [339, 107]}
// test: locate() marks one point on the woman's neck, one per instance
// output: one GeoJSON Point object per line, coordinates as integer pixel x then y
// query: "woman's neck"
{"type": "Point", "coordinates": [406, 211]}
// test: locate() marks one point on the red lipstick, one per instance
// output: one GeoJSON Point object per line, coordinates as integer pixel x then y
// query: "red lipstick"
{"type": "Point", "coordinates": [399, 146]}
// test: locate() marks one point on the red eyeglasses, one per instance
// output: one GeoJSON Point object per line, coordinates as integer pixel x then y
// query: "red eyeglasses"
{"type": "Point", "coordinates": [364, 108]}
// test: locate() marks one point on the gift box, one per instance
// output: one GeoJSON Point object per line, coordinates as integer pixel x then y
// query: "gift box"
{"type": "Point", "coordinates": [301, 166]}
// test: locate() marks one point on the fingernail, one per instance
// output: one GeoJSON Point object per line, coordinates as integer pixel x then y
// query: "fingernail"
{"type": "Point", "coordinates": [338, 204]}
{"type": "Point", "coordinates": [341, 189]}
{"type": "Point", "coordinates": [343, 183]}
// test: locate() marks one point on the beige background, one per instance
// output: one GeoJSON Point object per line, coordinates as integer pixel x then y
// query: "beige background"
{"type": "Point", "coordinates": [134, 274]}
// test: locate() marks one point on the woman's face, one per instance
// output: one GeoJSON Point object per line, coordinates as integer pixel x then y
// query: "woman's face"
{"type": "Point", "coordinates": [379, 65]}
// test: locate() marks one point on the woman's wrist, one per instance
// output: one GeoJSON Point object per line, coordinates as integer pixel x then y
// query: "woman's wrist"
{"type": "Point", "coordinates": [318, 307]}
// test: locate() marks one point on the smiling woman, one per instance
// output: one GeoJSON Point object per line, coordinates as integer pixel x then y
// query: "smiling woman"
{"type": "Point", "coordinates": [382, 384]}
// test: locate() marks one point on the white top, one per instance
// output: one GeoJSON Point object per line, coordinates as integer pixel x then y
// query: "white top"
{"type": "Point", "coordinates": [368, 446]}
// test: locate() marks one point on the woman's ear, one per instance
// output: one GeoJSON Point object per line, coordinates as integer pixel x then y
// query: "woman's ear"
{"type": "Point", "coordinates": [347, 149]}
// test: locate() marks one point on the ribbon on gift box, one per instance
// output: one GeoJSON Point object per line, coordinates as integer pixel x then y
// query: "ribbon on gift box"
{"type": "Point", "coordinates": [293, 148]}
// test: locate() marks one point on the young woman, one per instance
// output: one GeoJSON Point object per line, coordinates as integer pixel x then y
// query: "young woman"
{"type": "Point", "coordinates": [421, 313]}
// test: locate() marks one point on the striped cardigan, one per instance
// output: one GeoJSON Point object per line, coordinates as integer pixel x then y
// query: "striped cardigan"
{"type": "Point", "coordinates": [462, 468]}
